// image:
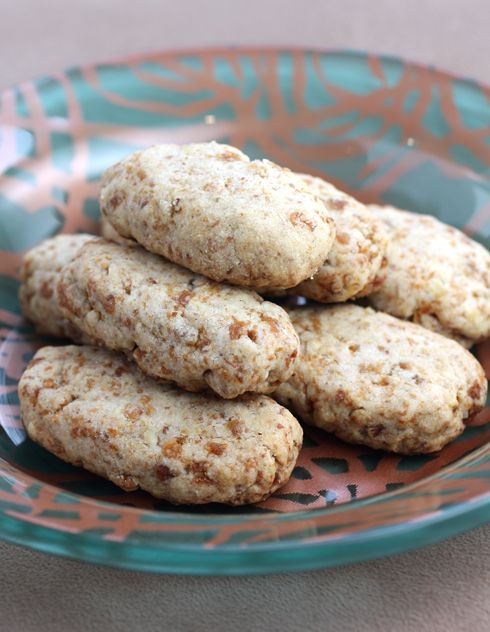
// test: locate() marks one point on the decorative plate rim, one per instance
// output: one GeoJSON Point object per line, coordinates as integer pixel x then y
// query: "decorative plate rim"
{"type": "Point", "coordinates": [280, 557]}
{"type": "Point", "coordinates": [236, 559]}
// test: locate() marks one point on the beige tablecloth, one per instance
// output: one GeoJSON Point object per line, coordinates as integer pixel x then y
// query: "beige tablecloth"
{"type": "Point", "coordinates": [445, 587]}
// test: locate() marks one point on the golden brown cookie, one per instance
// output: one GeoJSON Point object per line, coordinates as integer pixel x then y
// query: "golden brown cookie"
{"type": "Point", "coordinates": [40, 271]}
{"type": "Point", "coordinates": [375, 380]}
{"type": "Point", "coordinates": [211, 209]}
{"type": "Point", "coordinates": [175, 324]}
{"type": "Point", "coordinates": [436, 276]}
{"type": "Point", "coordinates": [94, 409]}
{"type": "Point", "coordinates": [354, 266]}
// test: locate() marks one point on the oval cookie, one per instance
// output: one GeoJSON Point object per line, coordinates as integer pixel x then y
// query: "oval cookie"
{"type": "Point", "coordinates": [372, 379]}
{"type": "Point", "coordinates": [355, 263]}
{"type": "Point", "coordinates": [177, 325]}
{"type": "Point", "coordinates": [436, 276]}
{"type": "Point", "coordinates": [94, 409]}
{"type": "Point", "coordinates": [209, 208]}
{"type": "Point", "coordinates": [40, 271]}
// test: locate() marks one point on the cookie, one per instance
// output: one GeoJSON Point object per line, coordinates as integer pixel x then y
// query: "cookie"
{"type": "Point", "coordinates": [175, 324]}
{"type": "Point", "coordinates": [436, 276]}
{"type": "Point", "coordinates": [211, 209]}
{"type": "Point", "coordinates": [92, 408]}
{"type": "Point", "coordinates": [372, 379]}
{"type": "Point", "coordinates": [355, 263]}
{"type": "Point", "coordinates": [107, 231]}
{"type": "Point", "coordinates": [40, 270]}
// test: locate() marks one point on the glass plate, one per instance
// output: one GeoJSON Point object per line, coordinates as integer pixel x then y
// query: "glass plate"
{"type": "Point", "coordinates": [383, 129]}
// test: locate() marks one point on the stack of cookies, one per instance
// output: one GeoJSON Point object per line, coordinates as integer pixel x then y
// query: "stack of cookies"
{"type": "Point", "coordinates": [178, 356]}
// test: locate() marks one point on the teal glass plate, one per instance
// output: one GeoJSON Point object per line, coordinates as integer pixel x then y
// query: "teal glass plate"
{"type": "Point", "coordinates": [386, 131]}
